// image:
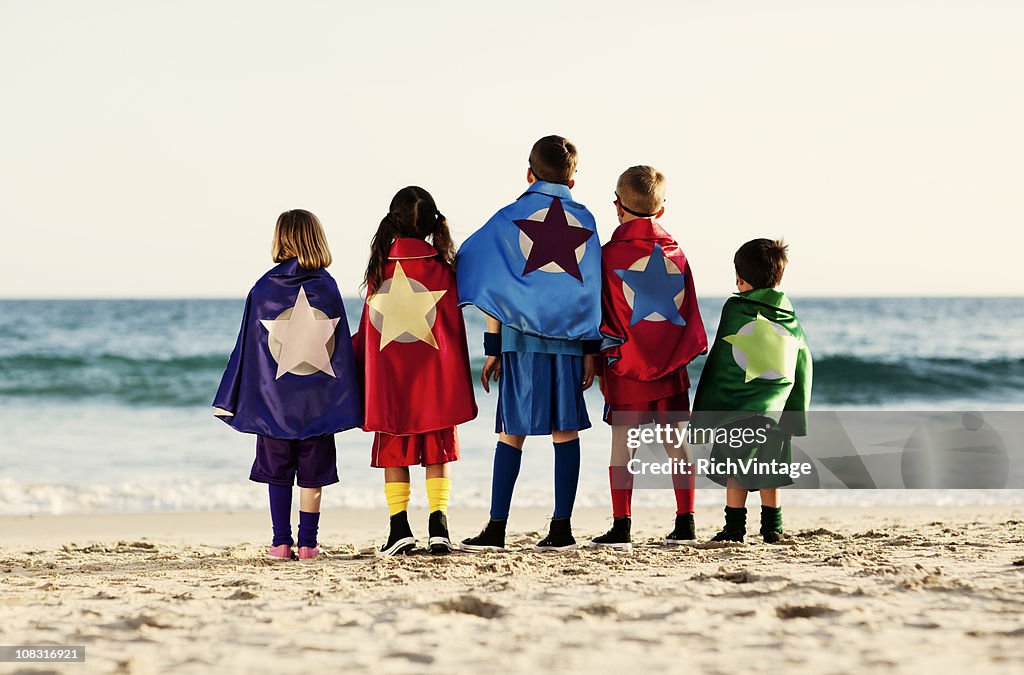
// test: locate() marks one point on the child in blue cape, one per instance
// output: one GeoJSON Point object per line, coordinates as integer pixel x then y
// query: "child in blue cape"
{"type": "Point", "coordinates": [535, 270]}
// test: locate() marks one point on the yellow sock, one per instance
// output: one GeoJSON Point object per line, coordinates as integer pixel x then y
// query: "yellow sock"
{"type": "Point", "coordinates": [438, 490]}
{"type": "Point", "coordinates": [397, 495]}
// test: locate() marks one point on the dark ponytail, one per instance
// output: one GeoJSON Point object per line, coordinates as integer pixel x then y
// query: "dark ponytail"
{"type": "Point", "coordinates": [441, 238]}
{"type": "Point", "coordinates": [414, 214]}
{"type": "Point", "coordinates": [379, 249]}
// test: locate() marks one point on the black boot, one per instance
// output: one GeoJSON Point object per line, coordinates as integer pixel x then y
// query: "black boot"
{"type": "Point", "coordinates": [771, 524]}
{"type": "Point", "coordinates": [491, 539]}
{"type": "Point", "coordinates": [684, 532]}
{"type": "Point", "coordinates": [400, 539]}
{"type": "Point", "coordinates": [439, 542]}
{"type": "Point", "coordinates": [559, 537]}
{"type": "Point", "coordinates": [735, 525]}
{"type": "Point", "coordinates": [617, 537]}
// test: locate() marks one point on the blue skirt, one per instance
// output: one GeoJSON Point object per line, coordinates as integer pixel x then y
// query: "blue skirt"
{"type": "Point", "coordinates": [539, 393]}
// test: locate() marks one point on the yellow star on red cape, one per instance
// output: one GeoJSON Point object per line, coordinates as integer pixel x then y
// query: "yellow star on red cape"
{"type": "Point", "coordinates": [404, 310]}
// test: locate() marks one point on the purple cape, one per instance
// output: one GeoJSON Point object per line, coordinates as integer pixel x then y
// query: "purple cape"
{"type": "Point", "coordinates": [279, 385]}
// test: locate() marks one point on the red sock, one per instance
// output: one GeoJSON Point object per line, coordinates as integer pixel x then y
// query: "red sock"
{"type": "Point", "coordinates": [682, 484]}
{"type": "Point", "coordinates": [621, 482]}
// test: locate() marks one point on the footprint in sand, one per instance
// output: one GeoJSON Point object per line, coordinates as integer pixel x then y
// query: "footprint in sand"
{"type": "Point", "coordinates": [470, 604]}
{"type": "Point", "coordinates": [804, 611]}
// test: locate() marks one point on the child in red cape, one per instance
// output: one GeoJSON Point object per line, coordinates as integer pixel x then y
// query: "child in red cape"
{"type": "Point", "coordinates": [650, 314]}
{"type": "Point", "coordinates": [411, 347]}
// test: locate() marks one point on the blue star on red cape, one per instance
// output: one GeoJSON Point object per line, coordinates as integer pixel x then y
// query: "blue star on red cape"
{"type": "Point", "coordinates": [654, 289]}
{"type": "Point", "coordinates": [554, 241]}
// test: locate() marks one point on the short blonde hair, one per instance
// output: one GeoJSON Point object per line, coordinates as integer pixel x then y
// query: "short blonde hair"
{"type": "Point", "coordinates": [641, 190]}
{"type": "Point", "coordinates": [299, 234]}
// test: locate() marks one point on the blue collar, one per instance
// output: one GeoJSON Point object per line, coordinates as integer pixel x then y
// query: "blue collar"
{"type": "Point", "coordinates": [550, 189]}
{"type": "Point", "coordinates": [292, 268]}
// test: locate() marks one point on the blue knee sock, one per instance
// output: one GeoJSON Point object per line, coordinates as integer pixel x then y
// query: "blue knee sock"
{"type": "Point", "coordinates": [567, 477]}
{"type": "Point", "coordinates": [507, 461]}
{"type": "Point", "coordinates": [281, 513]}
{"type": "Point", "coordinates": [309, 523]}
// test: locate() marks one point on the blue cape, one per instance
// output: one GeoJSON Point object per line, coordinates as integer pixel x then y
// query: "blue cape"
{"type": "Point", "coordinates": [495, 274]}
{"type": "Point", "coordinates": [257, 395]}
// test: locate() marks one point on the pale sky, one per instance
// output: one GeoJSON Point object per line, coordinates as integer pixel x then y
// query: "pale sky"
{"type": "Point", "coordinates": [146, 148]}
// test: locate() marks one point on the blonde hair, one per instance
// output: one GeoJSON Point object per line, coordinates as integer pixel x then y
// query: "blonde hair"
{"type": "Point", "coordinates": [641, 190]}
{"type": "Point", "coordinates": [299, 234]}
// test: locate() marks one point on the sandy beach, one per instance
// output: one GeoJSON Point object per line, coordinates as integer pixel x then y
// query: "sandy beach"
{"type": "Point", "coordinates": [864, 590]}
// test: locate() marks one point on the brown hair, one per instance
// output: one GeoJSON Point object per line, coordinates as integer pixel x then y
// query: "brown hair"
{"type": "Point", "coordinates": [641, 190]}
{"type": "Point", "coordinates": [761, 262]}
{"type": "Point", "coordinates": [412, 213]}
{"type": "Point", "coordinates": [299, 234]}
{"type": "Point", "coordinates": [553, 159]}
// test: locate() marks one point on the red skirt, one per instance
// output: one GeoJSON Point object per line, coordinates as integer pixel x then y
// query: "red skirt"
{"type": "Point", "coordinates": [619, 390]}
{"type": "Point", "coordinates": [668, 410]}
{"type": "Point", "coordinates": [432, 447]}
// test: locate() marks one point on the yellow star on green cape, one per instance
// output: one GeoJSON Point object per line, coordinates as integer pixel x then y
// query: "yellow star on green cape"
{"type": "Point", "coordinates": [404, 310]}
{"type": "Point", "coordinates": [766, 350]}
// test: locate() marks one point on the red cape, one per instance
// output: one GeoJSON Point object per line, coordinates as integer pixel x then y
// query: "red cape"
{"type": "Point", "coordinates": [650, 350]}
{"type": "Point", "coordinates": [411, 386]}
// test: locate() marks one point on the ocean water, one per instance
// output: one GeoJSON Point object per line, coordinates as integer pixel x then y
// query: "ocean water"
{"type": "Point", "coordinates": [105, 403]}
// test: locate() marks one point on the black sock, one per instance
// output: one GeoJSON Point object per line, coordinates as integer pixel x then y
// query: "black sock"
{"type": "Point", "coordinates": [771, 518]}
{"type": "Point", "coordinates": [736, 519]}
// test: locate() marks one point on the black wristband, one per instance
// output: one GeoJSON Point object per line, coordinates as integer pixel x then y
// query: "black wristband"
{"type": "Point", "coordinates": [591, 346]}
{"type": "Point", "coordinates": [492, 344]}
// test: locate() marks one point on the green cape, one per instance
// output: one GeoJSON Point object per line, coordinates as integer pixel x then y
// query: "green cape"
{"type": "Point", "coordinates": [759, 363]}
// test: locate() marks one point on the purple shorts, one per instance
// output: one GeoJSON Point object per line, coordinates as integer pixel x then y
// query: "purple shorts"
{"type": "Point", "coordinates": [278, 462]}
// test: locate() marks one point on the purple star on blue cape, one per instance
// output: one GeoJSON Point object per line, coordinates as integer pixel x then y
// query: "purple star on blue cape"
{"type": "Point", "coordinates": [554, 240]}
{"type": "Point", "coordinates": [654, 289]}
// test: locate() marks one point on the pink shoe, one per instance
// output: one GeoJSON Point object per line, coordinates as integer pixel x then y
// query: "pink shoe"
{"type": "Point", "coordinates": [282, 552]}
{"type": "Point", "coordinates": [307, 553]}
